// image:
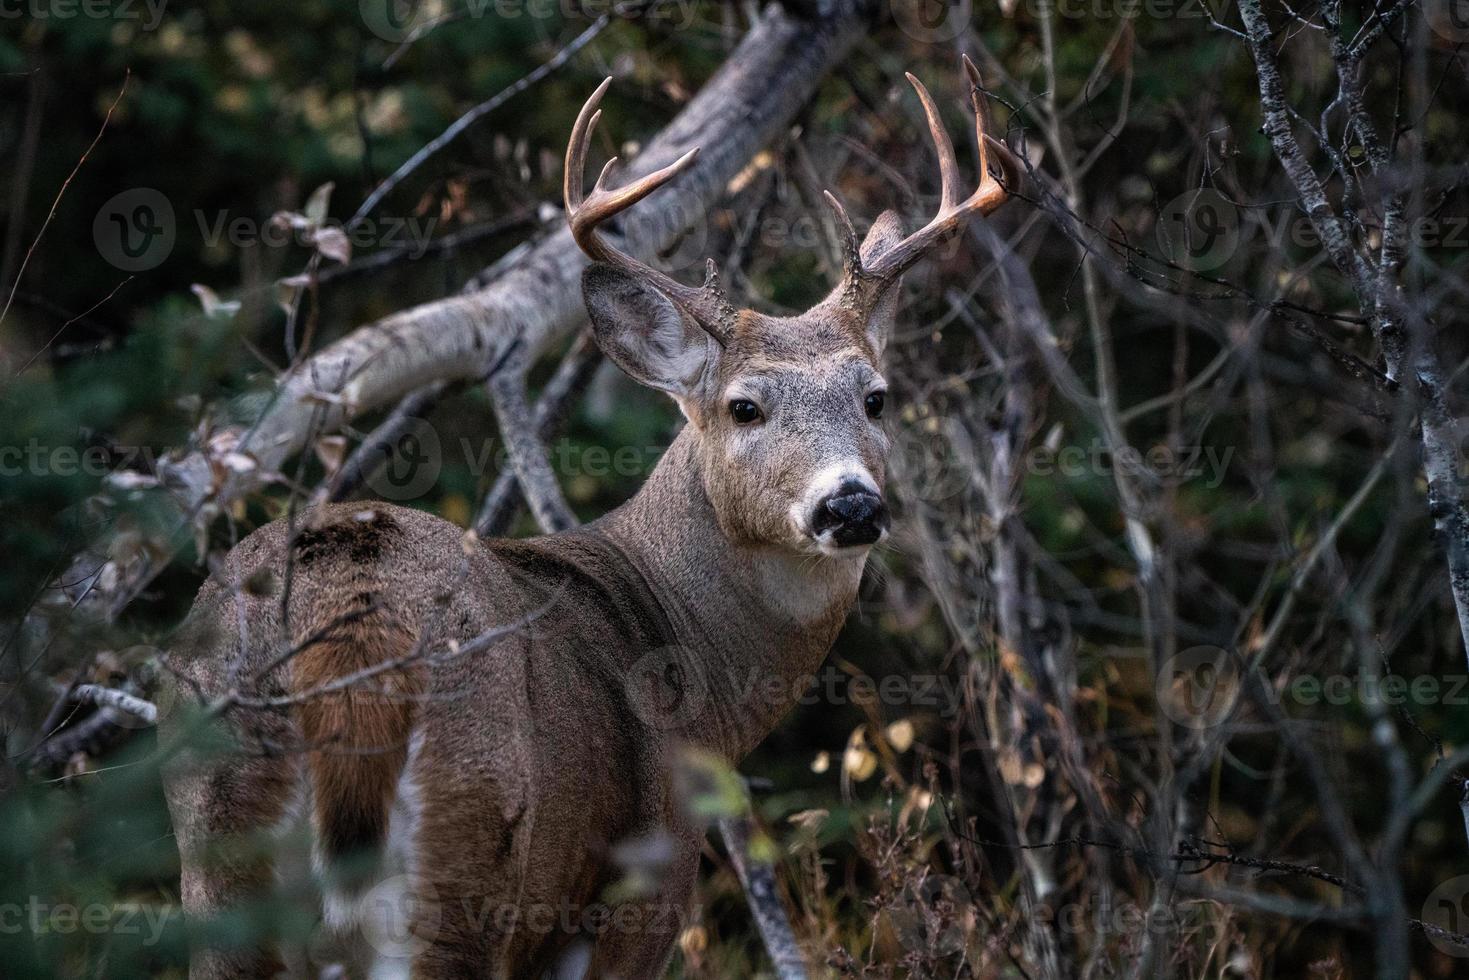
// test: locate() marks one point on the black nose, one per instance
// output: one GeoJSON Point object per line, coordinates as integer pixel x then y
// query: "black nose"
{"type": "Point", "coordinates": [854, 515]}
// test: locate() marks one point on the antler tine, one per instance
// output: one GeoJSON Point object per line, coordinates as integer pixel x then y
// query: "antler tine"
{"type": "Point", "coordinates": [576, 147]}
{"type": "Point", "coordinates": [851, 247]}
{"type": "Point", "coordinates": [603, 204]}
{"type": "Point", "coordinates": [981, 116]}
{"type": "Point", "coordinates": [953, 213]}
{"type": "Point", "coordinates": [942, 145]}
{"type": "Point", "coordinates": [584, 213]}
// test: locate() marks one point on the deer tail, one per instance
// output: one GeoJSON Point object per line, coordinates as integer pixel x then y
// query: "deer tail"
{"type": "Point", "coordinates": [358, 689]}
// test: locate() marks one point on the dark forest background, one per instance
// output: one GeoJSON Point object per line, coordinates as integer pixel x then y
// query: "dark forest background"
{"type": "Point", "coordinates": [1164, 526]}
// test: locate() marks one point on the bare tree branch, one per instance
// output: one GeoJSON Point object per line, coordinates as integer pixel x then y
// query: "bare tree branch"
{"type": "Point", "coordinates": [532, 299]}
{"type": "Point", "coordinates": [575, 371]}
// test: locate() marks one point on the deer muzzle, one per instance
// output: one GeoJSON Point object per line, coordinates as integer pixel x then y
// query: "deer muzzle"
{"type": "Point", "coordinates": [853, 516]}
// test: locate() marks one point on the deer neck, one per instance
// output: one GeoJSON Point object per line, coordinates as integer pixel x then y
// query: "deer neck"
{"type": "Point", "coordinates": [754, 623]}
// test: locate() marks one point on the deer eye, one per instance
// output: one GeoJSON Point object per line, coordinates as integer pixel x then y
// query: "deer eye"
{"type": "Point", "coordinates": [744, 412]}
{"type": "Point", "coordinates": [873, 403]}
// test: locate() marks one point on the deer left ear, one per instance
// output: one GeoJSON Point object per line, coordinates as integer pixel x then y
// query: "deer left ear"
{"type": "Point", "coordinates": [645, 332]}
{"type": "Point", "coordinates": [885, 233]}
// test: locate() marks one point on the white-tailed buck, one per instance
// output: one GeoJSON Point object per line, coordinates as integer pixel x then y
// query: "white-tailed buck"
{"type": "Point", "coordinates": [473, 728]}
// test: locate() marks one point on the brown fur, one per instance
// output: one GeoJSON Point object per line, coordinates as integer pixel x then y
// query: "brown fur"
{"type": "Point", "coordinates": [689, 616]}
{"type": "Point", "coordinates": [357, 737]}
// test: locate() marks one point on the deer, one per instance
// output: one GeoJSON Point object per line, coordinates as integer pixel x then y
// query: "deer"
{"type": "Point", "coordinates": [485, 727]}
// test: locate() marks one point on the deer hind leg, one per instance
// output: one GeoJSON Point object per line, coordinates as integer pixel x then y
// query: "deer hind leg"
{"type": "Point", "coordinates": [636, 941]}
{"type": "Point", "coordinates": [471, 844]}
{"type": "Point", "coordinates": [467, 898]}
{"type": "Point", "coordinates": [224, 812]}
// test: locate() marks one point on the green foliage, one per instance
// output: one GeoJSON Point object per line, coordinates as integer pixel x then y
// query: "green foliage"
{"type": "Point", "coordinates": [235, 112]}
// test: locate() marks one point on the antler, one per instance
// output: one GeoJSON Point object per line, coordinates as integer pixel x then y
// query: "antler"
{"type": "Point", "coordinates": [953, 213]}
{"type": "Point", "coordinates": [707, 305]}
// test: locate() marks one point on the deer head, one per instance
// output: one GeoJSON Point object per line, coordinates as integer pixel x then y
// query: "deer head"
{"type": "Point", "coordinates": [788, 411]}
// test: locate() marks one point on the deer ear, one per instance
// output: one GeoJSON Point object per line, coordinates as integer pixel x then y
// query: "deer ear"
{"type": "Point", "coordinates": [886, 232]}
{"type": "Point", "coordinates": [644, 332]}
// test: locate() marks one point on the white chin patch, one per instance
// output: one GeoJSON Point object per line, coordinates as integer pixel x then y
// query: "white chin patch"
{"type": "Point", "coordinates": [827, 546]}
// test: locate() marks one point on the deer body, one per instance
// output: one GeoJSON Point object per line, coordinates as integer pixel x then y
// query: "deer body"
{"type": "Point", "coordinates": [469, 731]}
{"type": "Point", "coordinates": [529, 762]}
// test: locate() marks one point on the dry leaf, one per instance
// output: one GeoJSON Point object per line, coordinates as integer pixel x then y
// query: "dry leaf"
{"type": "Point", "coordinates": [899, 735]}
{"type": "Point", "coordinates": [334, 244]}
{"type": "Point", "coordinates": [316, 205]}
{"type": "Point", "coordinates": [213, 305]}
